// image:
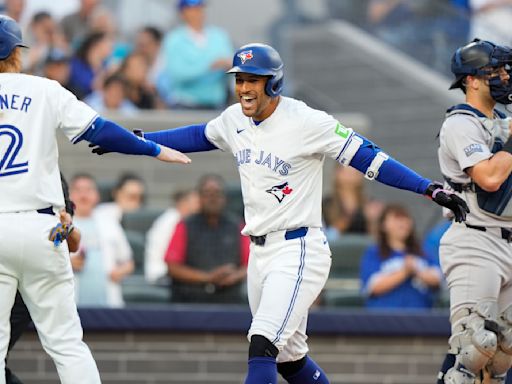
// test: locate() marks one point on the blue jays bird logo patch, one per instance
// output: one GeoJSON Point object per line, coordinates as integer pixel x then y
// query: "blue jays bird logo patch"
{"type": "Point", "coordinates": [280, 191]}
{"type": "Point", "coordinates": [245, 55]}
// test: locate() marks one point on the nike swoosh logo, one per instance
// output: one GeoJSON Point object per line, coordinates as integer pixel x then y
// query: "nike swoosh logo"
{"type": "Point", "coordinates": [239, 130]}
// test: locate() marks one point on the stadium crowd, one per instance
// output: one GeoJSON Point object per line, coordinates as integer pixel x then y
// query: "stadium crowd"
{"type": "Point", "coordinates": [85, 52]}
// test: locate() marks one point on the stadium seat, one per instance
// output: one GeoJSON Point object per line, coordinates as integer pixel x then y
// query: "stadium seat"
{"type": "Point", "coordinates": [137, 291]}
{"type": "Point", "coordinates": [105, 188]}
{"type": "Point", "coordinates": [343, 286]}
{"type": "Point", "coordinates": [137, 243]}
{"type": "Point", "coordinates": [141, 220]}
{"type": "Point", "coordinates": [346, 254]}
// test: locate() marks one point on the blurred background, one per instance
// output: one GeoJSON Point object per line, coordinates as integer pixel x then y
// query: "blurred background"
{"type": "Point", "coordinates": [379, 66]}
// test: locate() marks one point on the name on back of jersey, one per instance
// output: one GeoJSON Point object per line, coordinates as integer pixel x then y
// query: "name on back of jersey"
{"type": "Point", "coordinates": [265, 159]}
{"type": "Point", "coordinates": [14, 102]}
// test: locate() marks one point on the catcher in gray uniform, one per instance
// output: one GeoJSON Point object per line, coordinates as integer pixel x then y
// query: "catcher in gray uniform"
{"type": "Point", "coordinates": [475, 156]}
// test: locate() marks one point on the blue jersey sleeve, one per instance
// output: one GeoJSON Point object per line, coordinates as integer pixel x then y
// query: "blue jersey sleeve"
{"type": "Point", "coordinates": [390, 171]}
{"type": "Point", "coordinates": [191, 138]}
{"type": "Point", "coordinates": [115, 138]}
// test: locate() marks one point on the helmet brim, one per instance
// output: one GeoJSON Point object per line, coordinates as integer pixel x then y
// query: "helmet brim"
{"type": "Point", "coordinates": [251, 70]}
{"type": "Point", "coordinates": [457, 83]}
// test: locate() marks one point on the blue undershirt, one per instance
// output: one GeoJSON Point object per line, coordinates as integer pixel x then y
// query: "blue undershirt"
{"type": "Point", "coordinates": [115, 138]}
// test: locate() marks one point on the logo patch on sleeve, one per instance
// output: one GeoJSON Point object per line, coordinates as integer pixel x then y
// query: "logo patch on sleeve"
{"type": "Point", "coordinates": [473, 148]}
{"type": "Point", "coordinates": [341, 131]}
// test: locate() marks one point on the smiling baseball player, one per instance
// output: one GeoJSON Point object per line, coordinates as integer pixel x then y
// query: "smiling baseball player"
{"type": "Point", "coordinates": [280, 145]}
{"type": "Point", "coordinates": [31, 110]}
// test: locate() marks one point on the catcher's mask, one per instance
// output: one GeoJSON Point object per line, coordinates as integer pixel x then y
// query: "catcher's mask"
{"type": "Point", "coordinates": [482, 58]}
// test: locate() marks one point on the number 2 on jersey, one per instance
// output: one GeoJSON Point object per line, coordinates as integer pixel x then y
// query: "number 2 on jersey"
{"type": "Point", "coordinates": [14, 143]}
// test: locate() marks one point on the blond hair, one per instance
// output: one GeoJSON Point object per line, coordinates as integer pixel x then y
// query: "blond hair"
{"type": "Point", "coordinates": [11, 63]}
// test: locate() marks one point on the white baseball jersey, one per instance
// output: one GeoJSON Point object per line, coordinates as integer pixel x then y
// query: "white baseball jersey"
{"type": "Point", "coordinates": [31, 109]}
{"type": "Point", "coordinates": [280, 162]}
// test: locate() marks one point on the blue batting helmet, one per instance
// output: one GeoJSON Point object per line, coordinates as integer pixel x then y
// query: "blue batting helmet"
{"type": "Point", "coordinates": [473, 57]}
{"type": "Point", "coordinates": [10, 36]}
{"type": "Point", "coordinates": [262, 60]}
{"type": "Point", "coordinates": [190, 3]}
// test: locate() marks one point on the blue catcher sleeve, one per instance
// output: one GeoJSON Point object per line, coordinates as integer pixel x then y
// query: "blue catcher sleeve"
{"type": "Point", "coordinates": [114, 138]}
{"type": "Point", "coordinates": [191, 138]}
{"type": "Point", "coordinates": [375, 164]}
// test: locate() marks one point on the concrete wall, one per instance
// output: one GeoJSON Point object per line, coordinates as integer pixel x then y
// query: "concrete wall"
{"type": "Point", "coordinates": [154, 358]}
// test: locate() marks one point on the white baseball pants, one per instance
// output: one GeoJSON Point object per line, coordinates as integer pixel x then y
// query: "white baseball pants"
{"type": "Point", "coordinates": [42, 273]}
{"type": "Point", "coordinates": [284, 279]}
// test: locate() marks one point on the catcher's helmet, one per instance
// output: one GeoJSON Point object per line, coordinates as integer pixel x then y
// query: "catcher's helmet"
{"type": "Point", "coordinates": [10, 36]}
{"type": "Point", "coordinates": [263, 60]}
{"type": "Point", "coordinates": [472, 58]}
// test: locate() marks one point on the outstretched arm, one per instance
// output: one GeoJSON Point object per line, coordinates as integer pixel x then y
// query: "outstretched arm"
{"type": "Point", "coordinates": [114, 138]}
{"type": "Point", "coordinates": [190, 138]}
{"type": "Point", "coordinates": [375, 164]}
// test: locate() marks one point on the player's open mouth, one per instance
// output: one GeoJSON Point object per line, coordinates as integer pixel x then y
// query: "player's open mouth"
{"type": "Point", "coordinates": [247, 101]}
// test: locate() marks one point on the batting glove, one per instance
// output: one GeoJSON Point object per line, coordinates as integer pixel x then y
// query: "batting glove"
{"type": "Point", "coordinates": [59, 233]}
{"type": "Point", "coordinates": [101, 151]}
{"type": "Point", "coordinates": [448, 200]}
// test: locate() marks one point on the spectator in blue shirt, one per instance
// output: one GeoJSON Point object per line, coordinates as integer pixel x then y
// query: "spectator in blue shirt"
{"type": "Point", "coordinates": [89, 63]}
{"type": "Point", "coordinates": [195, 58]}
{"type": "Point", "coordinates": [394, 272]}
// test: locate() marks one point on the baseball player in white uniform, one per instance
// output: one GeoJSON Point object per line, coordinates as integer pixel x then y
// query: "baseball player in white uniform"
{"type": "Point", "coordinates": [475, 156]}
{"type": "Point", "coordinates": [31, 110]}
{"type": "Point", "coordinates": [280, 145]}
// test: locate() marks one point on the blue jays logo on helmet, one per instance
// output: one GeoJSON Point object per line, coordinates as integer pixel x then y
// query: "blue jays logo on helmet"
{"type": "Point", "coordinates": [10, 36]}
{"type": "Point", "coordinates": [262, 60]}
{"type": "Point", "coordinates": [245, 55]}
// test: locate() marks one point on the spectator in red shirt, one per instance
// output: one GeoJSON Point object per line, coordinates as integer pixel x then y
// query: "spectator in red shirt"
{"type": "Point", "coordinates": [207, 256]}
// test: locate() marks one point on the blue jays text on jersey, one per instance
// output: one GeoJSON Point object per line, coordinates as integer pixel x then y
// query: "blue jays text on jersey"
{"type": "Point", "coordinates": [273, 162]}
{"type": "Point", "coordinates": [15, 102]}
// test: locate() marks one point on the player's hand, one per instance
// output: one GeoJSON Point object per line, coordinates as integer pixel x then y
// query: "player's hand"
{"type": "Point", "coordinates": [448, 200]}
{"type": "Point", "coordinates": [170, 155]}
{"type": "Point", "coordinates": [59, 233]}
{"type": "Point", "coordinates": [65, 218]}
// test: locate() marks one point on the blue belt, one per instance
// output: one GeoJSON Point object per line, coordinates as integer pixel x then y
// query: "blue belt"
{"type": "Point", "coordinates": [46, 211]}
{"type": "Point", "coordinates": [289, 235]}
